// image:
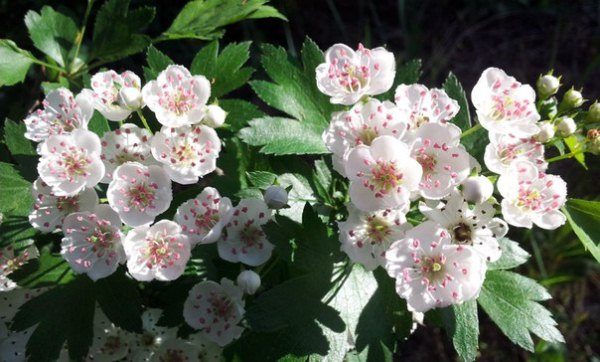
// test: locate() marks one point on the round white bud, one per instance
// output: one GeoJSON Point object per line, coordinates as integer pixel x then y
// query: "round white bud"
{"type": "Point", "coordinates": [594, 113]}
{"type": "Point", "coordinates": [548, 85]}
{"type": "Point", "coordinates": [130, 97]}
{"type": "Point", "coordinates": [546, 132]}
{"type": "Point", "coordinates": [566, 126]}
{"type": "Point", "coordinates": [215, 116]}
{"type": "Point", "coordinates": [248, 281]}
{"type": "Point", "coordinates": [276, 197]}
{"type": "Point", "coordinates": [477, 189]}
{"type": "Point", "coordinates": [573, 99]}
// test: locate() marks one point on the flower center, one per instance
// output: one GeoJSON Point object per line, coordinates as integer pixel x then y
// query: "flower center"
{"type": "Point", "coordinates": [148, 339]}
{"type": "Point", "coordinates": [141, 196]}
{"type": "Point", "coordinates": [102, 236]}
{"type": "Point", "coordinates": [67, 204]}
{"type": "Point", "coordinates": [161, 250]}
{"type": "Point", "coordinates": [377, 229]}
{"type": "Point", "coordinates": [73, 164]}
{"type": "Point", "coordinates": [427, 161]}
{"type": "Point", "coordinates": [530, 199]}
{"type": "Point", "coordinates": [385, 177]}
{"type": "Point", "coordinates": [112, 344]}
{"type": "Point", "coordinates": [462, 233]}
{"type": "Point", "coordinates": [506, 108]}
{"type": "Point", "coordinates": [123, 157]}
{"type": "Point", "coordinates": [433, 268]}
{"type": "Point", "coordinates": [420, 120]}
{"type": "Point", "coordinates": [180, 101]}
{"type": "Point", "coordinates": [222, 305]}
{"type": "Point", "coordinates": [207, 220]}
{"type": "Point", "coordinates": [173, 355]}
{"type": "Point", "coordinates": [251, 235]}
{"type": "Point", "coordinates": [367, 136]}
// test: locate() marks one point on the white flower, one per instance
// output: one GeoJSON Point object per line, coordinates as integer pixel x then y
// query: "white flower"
{"type": "Point", "coordinates": [9, 262]}
{"type": "Point", "coordinates": [444, 161]}
{"type": "Point", "coordinates": [144, 345]}
{"type": "Point", "coordinates": [202, 218]}
{"type": "Point", "coordinates": [382, 175]}
{"type": "Point", "coordinates": [532, 197]}
{"type": "Point", "coordinates": [175, 349]}
{"type": "Point", "coordinates": [504, 105]}
{"type": "Point", "coordinates": [13, 347]}
{"type": "Point", "coordinates": [276, 197]}
{"type": "Point", "coordinates": [139, 193]}
{"type": "Point", "coordinates": [187, 152]}
{"type": "Point", "coordinates": [360, 126]}
{"type": "Point", "coordinates": [208, 351]}
{"type": "Point", "coordinates": [366, 236]}
{"type": "Point", "coordinates": [477, 189]}
{"type": "Point", "coordinates": [115, 95]}
{"type": "Point", "coordinates": [159, 252]}
{"type": "Point", "coordinates": [92, 242]}
{"type": "Point", "coordinates": [546, 132]}
{"type": "Point", "coordinates": [70, 163]}
{"type": "Point", "coordinates": [129, 143]}
{"type": "Point", "coordinates": [248, 281]}
{"type": "Point", "coordinates": [110, 343]}
{"type": "Point", "coordinates": [216, 310]}
{"type": "Point", "coordinates": [566, 126]}
{"type": "Point", "coordinates": [504, 149]}
{"type": "Point", "coordinates": [50, 210]}
{"type": "Point", "coordinates": [244, 239]}
{"type": "Point", "coordinates": [176, 97]}
{"type": "Point", "coordinates": [62, 113]}
{"type": "Point", "coordinates": [476, 226]}
{"type": "Point", "coordinates": [215, 116]}
{"type": "Point", "coordinates": [424, 105]}
{"type": "Point", "coordinates": [431, 272]}
{"type": "Point", "coordinates": [348, 75]}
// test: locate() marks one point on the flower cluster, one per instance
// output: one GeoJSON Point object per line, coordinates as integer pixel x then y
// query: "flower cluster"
{"type": "Point", "coordinates": [405, 156]}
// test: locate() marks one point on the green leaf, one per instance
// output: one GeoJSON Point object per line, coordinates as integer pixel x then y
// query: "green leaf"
{"type": "Point", "coordinates": [120, 301]}
{"type": "Point", "coordinates": [98, 124]}
{"type": "Point", "coordinates": [511, 302]}
{"type": "Point", "coordinates": [157, 62]}
{"type": "Point", "coordinates": [455, 91]}
{"type": "Point", "coordinates": [407, 73]}
{"type": "Point", "coordinates": [64, 313]}
{"type": "Point", "coordinates": [52, 33]}
{"type": "Point", "coordinates": [464, 329]}
{"type": "Point", "coordinates": [512, 255]}
{"type": "Point", "coordinates": [267, 11]}
{"type": "Point", "coordinates": [50, 269]}
{"type": "Point", "coordinates": [204, 19]}
{"type": "Point", "coordinates": [299, 194]}
{"type": "Point", "coordinates": [14, 63]}
{"type": "Point", "coordinates": [475, 143]}
{"type": "Point", "coordinates": [261, 179]}
{"type": "Point", "coordinates": [116, 31]}
{"type": "Point", "coordinates": [15, 194]}
{"type": "Point", "coordinates": [239, 112]}
{"type": "Point", "coordinates": [322, 179]}
{"type": "Point", "coordinates": [584, 217]}
{"type": "Point", "coordinates": [21, 148]}
{"type": "Point", "coordinates": [577, 143]}
{"type": "Point", "coordinates": [226, 70]}
{"type": "Point", "coordinates": [283, 136]}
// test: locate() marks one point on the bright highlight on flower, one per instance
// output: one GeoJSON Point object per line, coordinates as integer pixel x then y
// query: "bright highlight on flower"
{"type": "Point", "coordinates": [115, 95]}
{"type": "Point", "coordinates": [129, 143]}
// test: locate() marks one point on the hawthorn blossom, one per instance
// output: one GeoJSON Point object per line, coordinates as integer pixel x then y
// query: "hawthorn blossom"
{"type": "Point", "coordinates": [424, 105]}
{"type": "Point", "coordinates": [504, 149]}
{"type": "Point", "coordinates": [248, 281]}
{"type": "Point", "coordinates": [92, 242]}
{"type": "Point", "coordinates": [216, 310]}
{"type": "Point", "coordinates": [202, 218]}
{"type": "Point", "coordinates": [532, 197]}
{"type": "Point", "coordinates": [360, 126]}
{"type": "Point", "coordinates": [444, 160]}
{"type": "Point", "coordinates": [187, 152]}
{"type": "Point", "coordinates": [477, 189]}
{"type": "Point", "coordinates": [13, 347]}
{"type": "Point", "coordinates": [244, 239]}
{"type": "Point", "coordinates": [115, 95]}
{"type": "Point", "coordinates": [129, 143]}
{"type": "Point", "coordinates": [50, 210]}
{"type": "Point", "coordinates": [366, 236]}
{"type": "Point", "coordinates": [348, 75]}
{"type": "Point", "coordinates": [175, 349]}
{"type": "Point", "coordinates": [159, 252]}
{"type": "Point", "coordinates": [431, 272]}
{"type": "Point", "coordinates": [207, 351]}
{"type": "Point", "coordinates": [504, 105]}
{"type": "Point", "coordinates": [139, 193]}
{"type": "Point", "coordinates": [70, 163]}
{"type": "Point", "coordinates": [61, 114]}
{"type": "Point", "coordinates": [110, 343]}
{"type": "Point", "coordinates": [176, 97]}
{"type": "Point", "coordinates": [153, 336]}
{"type": "Point", "coordinates": [476, 226]}
{"type": "Point", "coordinates": [9, 262]}
{"type": "Point", "coordinates": [382, 175]}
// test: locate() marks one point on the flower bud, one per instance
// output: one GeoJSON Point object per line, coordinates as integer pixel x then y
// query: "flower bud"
{"type": "Point", "coordinates": [215, 116]}
{"type": "Point", "coordinates": [130, 97]}
{"type": "Point", "coordinates": [248, 281]}
{"type": "Point", "coordinates": [572, 99]}
{"type": "Point", "coordinates": [593, 141]}
{"type": "Point", "coordinates": [547, 85]}
{"type": "Point", "coordinates": [276, 197]}
{"type": "Point", "coordinates": [566, 126]}
{"type": "Point", "coordinates": [546, 132]}
{"type": "Point", "coordinates": [593, 115]}
{"type": "Point", "coordinates": [477, 189]}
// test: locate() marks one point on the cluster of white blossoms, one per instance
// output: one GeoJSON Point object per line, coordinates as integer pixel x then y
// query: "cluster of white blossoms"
{"type": "Point", "coordinates": [405, 155]}
{"type": "Point", "coordinates": [138, 170]}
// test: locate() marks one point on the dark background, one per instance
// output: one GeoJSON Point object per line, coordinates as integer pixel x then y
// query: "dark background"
{"type": "Point", "coordinates": [523, 37]}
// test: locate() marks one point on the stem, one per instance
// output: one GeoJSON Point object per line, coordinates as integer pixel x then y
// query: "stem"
{"type": "Point", "coordinates": [144, 122]}
{"type": "Point", "coordinates": [79, 39]}
{"type": "Point", "coordinates": [473, 129]}
{"type": "Point", "coordinates": [47, 65]}
{"type": "Point", "coordinates": [566, 155]}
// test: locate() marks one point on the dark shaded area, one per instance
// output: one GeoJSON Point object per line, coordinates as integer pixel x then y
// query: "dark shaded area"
{"type": "Point", "coordinates": [524, 37]}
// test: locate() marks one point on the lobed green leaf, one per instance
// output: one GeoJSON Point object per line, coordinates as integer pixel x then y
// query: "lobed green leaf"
{"type": "Point", "coordinates": [584, 217]}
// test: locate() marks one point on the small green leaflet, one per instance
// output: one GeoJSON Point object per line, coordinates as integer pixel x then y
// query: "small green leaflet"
{"type": "Point", "coordinates": [512, 255]}
{"type": "Point", "coordinates": [575, 144]}
{"type": "Point", "coordinates": [14, 63]}
{"type": "Point", "coordinates": [52, 33]}
{"type": "Point", "coordinates": [463, 326]}
{"type": "Point", "coordinates": [511, 301]}
{"type": "Point", "coordinates": [584, 217]}
{"type": "Point", "coordinates": [21, 149]}
{"type": "Point", "coordinates": [239, 112]}
{"type": "Point", "coordinates": [261, 179]}
{"type": "Point", "coordinates": [15, 197]}
{"type": "Point", "coordinates": [157, 62]}
{"type": "Point", "coordinates": [98, 124]}
{"type": "Point", "coordinates": [455, 91]}
{"type": "Point", "coordinates": [204, 19]}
